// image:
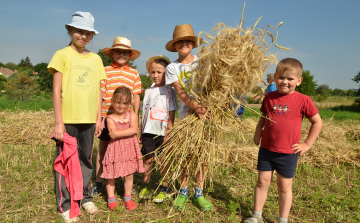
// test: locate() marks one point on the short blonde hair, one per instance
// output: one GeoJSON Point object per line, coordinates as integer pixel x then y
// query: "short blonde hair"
{"type": "Point", "coordinates": [289, 64]}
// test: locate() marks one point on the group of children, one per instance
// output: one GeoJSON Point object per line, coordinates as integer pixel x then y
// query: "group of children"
{"type": "Point", "coordinates": [92, 100]}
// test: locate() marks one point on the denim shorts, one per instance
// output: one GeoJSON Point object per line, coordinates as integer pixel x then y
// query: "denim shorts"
{"type": "Point", "coordinates": [284, 164]}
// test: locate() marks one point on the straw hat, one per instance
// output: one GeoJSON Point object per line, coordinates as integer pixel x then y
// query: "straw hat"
{"type": "Point", "coordinates": [122, 43]}
{"type": "Point", "coordinates": [182, 32]}
{"type": "Point", "coordinates": [151, 59]}
{"type": "Point", "coordinates": [82, 20]}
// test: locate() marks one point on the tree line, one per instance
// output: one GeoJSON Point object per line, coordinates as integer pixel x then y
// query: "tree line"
{"type": "Point", "coordinates": [23, 84]}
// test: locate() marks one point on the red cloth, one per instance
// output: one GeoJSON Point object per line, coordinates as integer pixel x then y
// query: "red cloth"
{"type": "Point", "coordinates": [67, 164]}
{"type": "Point", "coordinates": [287, 111]}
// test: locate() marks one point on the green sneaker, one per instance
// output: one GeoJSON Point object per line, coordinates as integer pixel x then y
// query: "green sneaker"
{"type": "Point", "coordinates": [202, 203]}
{"type": "Point", "coordinates": [179, 201]}
{"type": "Point", "coordinates": [144, 193]}
{"type": "Point", "coordinates": [161, 197]}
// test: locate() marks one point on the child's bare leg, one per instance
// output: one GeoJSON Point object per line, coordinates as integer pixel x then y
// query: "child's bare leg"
{"type": "Point", "coordinates": [163, 173]}
{"type": "Point", "coordinates": [110, 187]}
{"type": "Point", "coordinates": [285, 195]}
{"type": "Point", "coordinates": [200, 176]}
{"type": "Point", "coordinates": [99, 158]}
{"type": "Point", "coordinates": [184, 178]}
{"type": "Point", "coordinates": [261, 189]}
{"type": "Point", "coordinates": [148, 167]}
{"type": "Point", "coordinates": [129, 179]}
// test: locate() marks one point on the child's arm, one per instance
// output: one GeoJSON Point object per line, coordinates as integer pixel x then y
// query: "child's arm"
{"type": "Point", "coordinates": [198, 108]}
{"type": "Point", "coordinates": [132, 130]}
{"type": "Point", "coordinates": [259, 129]}
{"type": "Point", "coordinates": [136, 104]}
{"type": "Point", "coordinates": [98, 120]}
{"type": "Point", "coordinates": [316, 125]}
{"type": "Point", "coordinates": [170, 124]}
{"type": "Point", "coordinates": [57, 89]}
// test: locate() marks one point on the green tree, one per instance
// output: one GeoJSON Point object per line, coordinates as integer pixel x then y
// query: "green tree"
{"type": "Point", "coordinates": [308, 85]}
{"type": "Point", "coordinates": [324, 88]}
{"type": "Point", "coordinates": [21, 87]}
{"type": "Point", "coordinates": [45, 79]}
{"type": "Point", "coordinates": [25, 63]}
{"type": "Point", "coordinates": [146, 83]}
{"type": "Point", "coordinates": [107, 60]}
{"type": "Point", "coordinates": [357, 80]}
{"type": "Point", "coordinates": [11, 66]}
{"type": "Point", "coordinates": [3, 80]}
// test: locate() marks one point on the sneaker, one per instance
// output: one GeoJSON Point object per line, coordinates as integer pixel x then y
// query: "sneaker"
{"type": "Point", "coordinates": [253, 219]}
{"type": "Point", "coordinates": [130, 205]}
{"type": "Point", "coordinates": [66, 217]}
{"type": "Point", "coordinates": [202, 203]}
{"type": "Point", "coordinates": [96, 189]}
{"type": "Point", "coordinates": [90, 207]}
{"type": "Point", "coordinates": [113, 205]}
{"type": "Point", "coordinates": [144, 193]}
{"type": "Point", "coordinates": [179, 201]}
{"type": "Point", "coordinates": [161, 197]}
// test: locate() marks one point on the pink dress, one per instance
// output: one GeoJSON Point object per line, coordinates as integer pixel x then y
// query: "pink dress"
{"type": "Point", "coordinates": [123, 156]}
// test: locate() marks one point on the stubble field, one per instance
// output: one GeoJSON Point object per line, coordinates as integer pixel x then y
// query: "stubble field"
{"type": "Point", "coordinates": [326, 186]}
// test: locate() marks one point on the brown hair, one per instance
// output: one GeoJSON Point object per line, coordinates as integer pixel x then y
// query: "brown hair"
{"type": "Point", "coordinates": [161, 62]}
{"type": "Point", "coordinates": [122, 92]}
{"type": "Point", "coordinates": [289, 64]}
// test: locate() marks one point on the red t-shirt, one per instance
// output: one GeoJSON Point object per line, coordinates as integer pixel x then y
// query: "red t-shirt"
{"type": "Point", "coordinates": [287, 110]}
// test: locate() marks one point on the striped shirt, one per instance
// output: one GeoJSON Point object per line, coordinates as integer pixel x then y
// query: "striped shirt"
{"type": "Point", "coordinates": [119, 76]}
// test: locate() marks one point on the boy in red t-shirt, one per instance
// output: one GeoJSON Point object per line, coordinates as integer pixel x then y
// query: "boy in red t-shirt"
{"type": "Point", "coordinates": [280, 139]}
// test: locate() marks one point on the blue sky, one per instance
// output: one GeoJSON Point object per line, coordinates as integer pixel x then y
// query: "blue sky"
{"type": "Point", "coordinates": [323, 34]}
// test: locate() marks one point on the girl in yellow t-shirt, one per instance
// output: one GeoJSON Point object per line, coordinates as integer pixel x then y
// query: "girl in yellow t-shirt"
{"type": "Point", "coordinates": [77, 106]}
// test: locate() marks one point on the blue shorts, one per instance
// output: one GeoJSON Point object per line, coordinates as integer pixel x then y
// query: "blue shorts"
{"type": "Point", "coordinates": [284, 164]}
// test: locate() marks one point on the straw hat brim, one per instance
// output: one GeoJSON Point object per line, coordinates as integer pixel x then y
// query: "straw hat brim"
{"type": "Point", "coordinates": [170, 45]}
{"type": "Point", "coordinates": [151, 59]}
{"type": "Point", "coordinates": [81, 27]}
{"type": "Point", "coordinates": [135, 53]}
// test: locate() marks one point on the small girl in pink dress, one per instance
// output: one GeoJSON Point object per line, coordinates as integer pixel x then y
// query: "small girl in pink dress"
{"type": "Point", "coordinates": [123, 156]}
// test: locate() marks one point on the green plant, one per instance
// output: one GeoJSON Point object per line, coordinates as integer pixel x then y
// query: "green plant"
{"type": "Point", "coordinates": [21, 87]}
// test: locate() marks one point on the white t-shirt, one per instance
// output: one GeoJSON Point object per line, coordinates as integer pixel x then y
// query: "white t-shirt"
{"type": "Point", "coordinates": [177, 71]}
{"type": "Point", "coordinates": [157, 103]}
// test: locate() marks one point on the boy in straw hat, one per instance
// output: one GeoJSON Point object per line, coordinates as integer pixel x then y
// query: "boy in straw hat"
{"type": "Point", "coordinates": [178, 75]}
{"type": "Point", "coordinates": [119, 73]}
{"type": "Point", "coordinates": [159, 106]}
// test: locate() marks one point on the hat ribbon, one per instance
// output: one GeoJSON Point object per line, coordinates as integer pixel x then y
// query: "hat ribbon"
{"type": "Point", "coordinates": [123, 45]}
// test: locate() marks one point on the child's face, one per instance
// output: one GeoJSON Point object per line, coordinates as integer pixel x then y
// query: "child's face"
{"type": "Point", "coordinates": [184, 47]}
{"type": "Point", "coordinates": [120, 105]}
{"type": "Point", "coordinates": [157, 74]}
{"type": "Point", "coordinates": [287, 81]}
{"type": "Point", "coordinates": [121, 57]}
{"type": "Point", "coordinates": [80, 37]}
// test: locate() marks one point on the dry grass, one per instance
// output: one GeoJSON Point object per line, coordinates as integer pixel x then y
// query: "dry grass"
{"type": "Point", "coordinates": [232, 62]}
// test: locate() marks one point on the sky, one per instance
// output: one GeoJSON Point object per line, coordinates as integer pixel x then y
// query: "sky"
{"type": "Point", "coordinates": [324, 35]}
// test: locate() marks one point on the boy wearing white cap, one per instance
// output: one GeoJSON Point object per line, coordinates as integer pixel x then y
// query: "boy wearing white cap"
{"type": "Point", "coordinates": [119, 73]}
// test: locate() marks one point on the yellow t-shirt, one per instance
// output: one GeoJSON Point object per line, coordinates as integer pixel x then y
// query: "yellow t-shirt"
{"type": "Point", "coordinates": [80, 84]}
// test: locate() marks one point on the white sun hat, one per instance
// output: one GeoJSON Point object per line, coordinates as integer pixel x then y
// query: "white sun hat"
{"type": "Point", "coordinates": [82, 20]}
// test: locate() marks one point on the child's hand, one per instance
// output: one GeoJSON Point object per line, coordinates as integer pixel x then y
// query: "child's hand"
{"type": "Point", "coordinates": [201, 110]}
{"type": "Point", "coordinates": [112, 133]}
{"type": "Point", "coordinates": [58, 132]}
{"type": "Point", "coordinates": [257, 139]}
{"type": "Point", "coordinates": [140, 139]}
{"type": "Point", "coordinates": [300, 148]}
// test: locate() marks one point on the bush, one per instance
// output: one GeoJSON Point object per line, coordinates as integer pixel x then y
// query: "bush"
{"type": "Point", "coordinates": [21, 87]}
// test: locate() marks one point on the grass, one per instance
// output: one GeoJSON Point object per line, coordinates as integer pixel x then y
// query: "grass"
{"type": "Point", "coordinates": [320, 194]}
{"type": "Point", "coordinates": [37, 104]}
